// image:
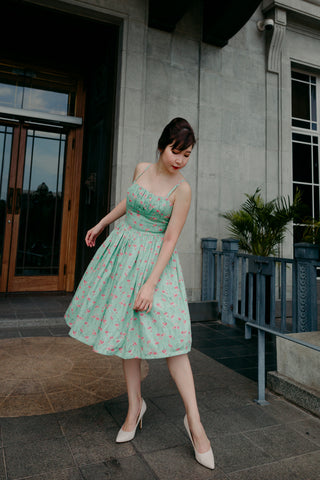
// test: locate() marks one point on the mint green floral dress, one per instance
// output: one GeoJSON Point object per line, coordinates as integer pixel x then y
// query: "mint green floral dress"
{"type": "Point", "coordinates": [101, 312]}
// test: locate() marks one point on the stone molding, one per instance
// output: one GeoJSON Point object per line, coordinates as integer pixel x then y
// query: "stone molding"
{"type": "Point", "coordinates": [315, 2]}
{"type": "Point", "coordinates": [307, 8]}
{"type": "Point", "coordinates": [279, 10]}
{"type": "Point", "coordinates": [275, 47]}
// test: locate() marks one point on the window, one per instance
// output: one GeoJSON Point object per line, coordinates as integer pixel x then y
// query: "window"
{"type": "Point", "coordinates": [305, 146]}
{"type": "Point", "coordinates": [35, 90]}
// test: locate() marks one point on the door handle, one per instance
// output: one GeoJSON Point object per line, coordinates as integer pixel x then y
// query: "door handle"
{"type": "Point", "coordinates": [17, 205]}
{"type": "Point", "coordinates": [10, 200]}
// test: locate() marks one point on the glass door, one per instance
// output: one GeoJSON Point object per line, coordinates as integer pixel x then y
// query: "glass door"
{"type": "Point", "coordinates": [35, 251]}
{"type": "Point", "coordinates": [41, 135]}
{"type": "Point", "coordinates": [32, 207]}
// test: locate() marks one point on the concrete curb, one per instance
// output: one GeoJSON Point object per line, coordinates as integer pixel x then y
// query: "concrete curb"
{"type": "Point", "coordinates": [295, 392]}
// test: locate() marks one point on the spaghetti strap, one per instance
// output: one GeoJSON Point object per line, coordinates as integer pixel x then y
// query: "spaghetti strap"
{"type": "Point", "coordinates": [176, 186]}
{"type": "Point", "coordinates": [142, 173]}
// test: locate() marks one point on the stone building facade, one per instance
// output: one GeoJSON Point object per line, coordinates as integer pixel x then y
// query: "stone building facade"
{"type": "Point", "coordinates": [238, 97]}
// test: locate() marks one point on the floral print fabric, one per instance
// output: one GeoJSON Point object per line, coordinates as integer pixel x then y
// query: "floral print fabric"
{"type": "Point", "coordinates": [101, 312]}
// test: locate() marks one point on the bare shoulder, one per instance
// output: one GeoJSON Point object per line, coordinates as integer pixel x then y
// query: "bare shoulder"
{"type": "Point", "coordinates": [184, 189]}
{"type": "Point", "coordinates": [140, 168]}
{"type": "Point", "coordinates": [182, 195]}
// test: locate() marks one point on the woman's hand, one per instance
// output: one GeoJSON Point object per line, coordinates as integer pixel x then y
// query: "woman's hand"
{"type": "Point", "coordinates": [144, 298]}
{"type": "Point", "coordinates": [92, 235]}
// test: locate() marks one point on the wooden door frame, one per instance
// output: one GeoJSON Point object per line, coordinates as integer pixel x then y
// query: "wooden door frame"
{"type": "Point", "coordinates": [64, 281]}
{"type": "Point", "coordinates": [71, 201]}
{"type": "Point", "coordinates": [9, 216]}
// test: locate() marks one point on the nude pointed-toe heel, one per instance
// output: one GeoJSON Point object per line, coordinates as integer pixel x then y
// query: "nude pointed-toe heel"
{"type": "Point", "coordinates": [127, 436]}
{"type": "Point", "coordinates": [206, 459]}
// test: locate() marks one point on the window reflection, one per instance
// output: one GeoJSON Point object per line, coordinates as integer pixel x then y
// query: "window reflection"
{"type": "Point", "coordinates": [42, 198]}
{"type": "Point", "coordinates": [6, 134]}
{"type": "Point", "coordinates": [10, 96]}
{"type": "Point", "coordinates": [27, 91]}
{"type": "Point", "coordinates": [300, 100]}
{"type": "Point", "coordinates": [306, 171]}
{"type": "Point", "coordinates": [304, 111]}
{"type": "Point", "coordinates": [305, 150]}
{"type": "Point", "coordinates": [45, 101]}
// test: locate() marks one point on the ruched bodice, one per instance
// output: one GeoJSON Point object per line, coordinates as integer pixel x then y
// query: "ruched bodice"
{"type": "Point", "coordinates": [146, 211]}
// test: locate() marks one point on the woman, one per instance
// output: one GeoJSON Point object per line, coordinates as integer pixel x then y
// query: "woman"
{"type": "Point", "coordinates": [131, 302]}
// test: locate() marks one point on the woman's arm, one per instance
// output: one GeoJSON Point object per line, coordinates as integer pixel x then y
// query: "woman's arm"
{"type": "Point", "coordinates": [112, 216]}
{"type": "Point", "coordinates": [178, 217]}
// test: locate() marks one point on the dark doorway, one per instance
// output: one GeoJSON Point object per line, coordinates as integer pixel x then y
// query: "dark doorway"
{"type": "Point", "coordinates": [85, 51]}
{"type": "Point", "coordinates": [98, 145]}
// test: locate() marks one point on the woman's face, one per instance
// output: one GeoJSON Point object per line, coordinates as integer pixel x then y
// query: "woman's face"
{"type": "Point", "coordinates": [174, 159]}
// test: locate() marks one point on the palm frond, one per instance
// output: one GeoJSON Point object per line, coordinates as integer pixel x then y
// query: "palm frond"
{"type": "Point", "coordinates": [311, 233]}
{"type": "Point", "coordinates": [261, 226]}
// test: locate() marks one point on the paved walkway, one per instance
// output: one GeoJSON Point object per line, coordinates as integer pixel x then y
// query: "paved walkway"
{"type": "Point", "coordinates": [275, 442]}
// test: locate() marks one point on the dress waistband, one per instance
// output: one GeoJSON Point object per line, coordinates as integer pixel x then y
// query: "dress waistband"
{"type": "Point", "coordinates": [141, 228]}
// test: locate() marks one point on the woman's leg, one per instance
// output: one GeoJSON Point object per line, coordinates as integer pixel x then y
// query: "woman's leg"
{"type": "Point", "coordinates": [180, 370]}
{"type": "Point", "coordinates": [132, 373]}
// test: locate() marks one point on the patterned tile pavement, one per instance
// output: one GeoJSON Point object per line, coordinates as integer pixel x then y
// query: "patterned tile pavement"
{"type": "Point", "coordinates": [275, 442]}
{"type": "Point", "coordinates": [42, 375]}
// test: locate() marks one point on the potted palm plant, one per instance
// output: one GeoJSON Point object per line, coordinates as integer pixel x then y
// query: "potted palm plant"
{"type": "Point", "coordinates": [260, 227]}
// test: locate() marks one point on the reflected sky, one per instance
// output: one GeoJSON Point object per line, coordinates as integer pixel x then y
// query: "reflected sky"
{"type": "Point", "coordinates": [16, 96]}
{"type": "Point", "coordinates": [5, 151]}
{"type": "Point", "coordinates": [44, 162]}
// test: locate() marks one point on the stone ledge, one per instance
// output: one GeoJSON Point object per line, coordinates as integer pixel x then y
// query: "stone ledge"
{"type": "Point", "coordinates": [295, 392]}
{"type": "Point", "coordinates": [300, 362]}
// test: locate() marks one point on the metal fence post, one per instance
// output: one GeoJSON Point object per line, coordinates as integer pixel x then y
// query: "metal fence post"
{"type": "Point", "coordinates": [230, 249]}
{"type": "Point", "coordinates": [261, 320]}
{"type": "Point", "coordinates": [306, 286]}
{"type": "Point", "coordinates": [209, 245]}
{"type": "Point", "coordinates": [261, 400]}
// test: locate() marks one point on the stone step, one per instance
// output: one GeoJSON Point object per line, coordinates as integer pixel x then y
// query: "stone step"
{"type": "Point", "coordinates": [298, 371]}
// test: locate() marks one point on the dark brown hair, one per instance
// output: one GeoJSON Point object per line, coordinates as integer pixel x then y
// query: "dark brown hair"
{"type": "Point", "coordinates": [179, 133]}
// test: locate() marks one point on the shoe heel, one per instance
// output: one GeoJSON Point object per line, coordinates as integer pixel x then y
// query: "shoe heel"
{"type": "Point", "coordinates": [127, 436]}
{"type": "Point", "coordinates": [206, 459]}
